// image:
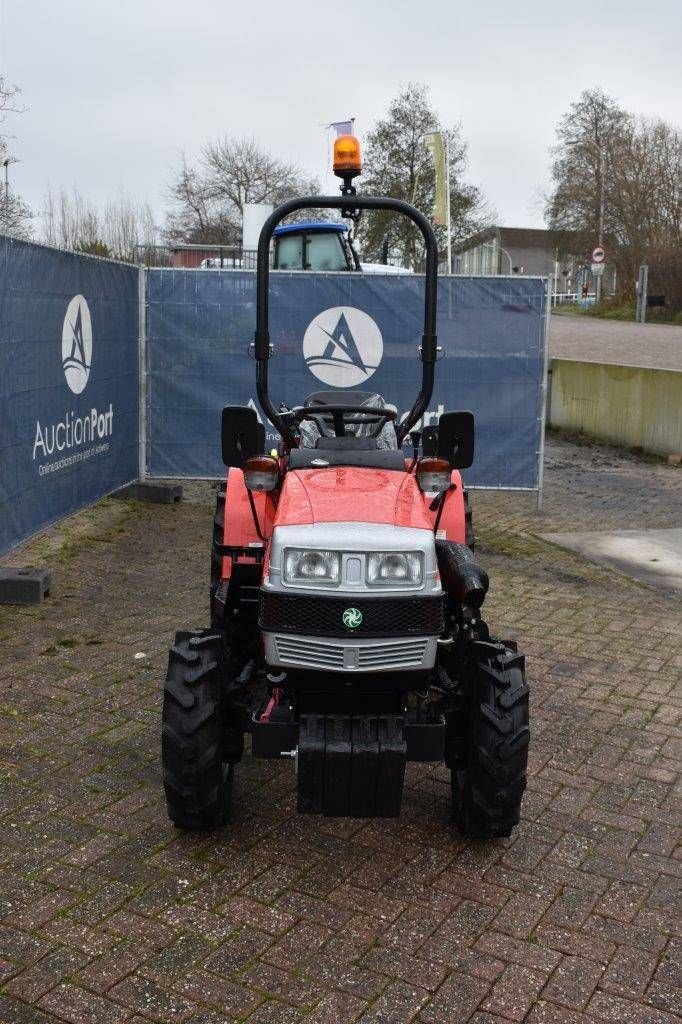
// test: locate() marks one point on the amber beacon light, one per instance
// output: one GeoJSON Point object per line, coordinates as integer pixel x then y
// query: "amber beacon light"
{"type": "Point", "coordinates": [347, 156]}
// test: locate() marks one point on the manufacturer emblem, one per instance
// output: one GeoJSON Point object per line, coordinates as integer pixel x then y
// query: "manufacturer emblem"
{"type": "Point", "coordinates": [77, 344]}
{"type": "Point", "coordinates": [343, 346]}
{"type": "Point", "coordinates": [352, 618]}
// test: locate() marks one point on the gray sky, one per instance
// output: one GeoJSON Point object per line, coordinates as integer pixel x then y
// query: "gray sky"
{"type": "Point", "coordinates": [114, 91]}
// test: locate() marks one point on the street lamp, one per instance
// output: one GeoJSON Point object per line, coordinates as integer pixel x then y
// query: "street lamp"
{"type": "Point", "coordinates": [5, 163]}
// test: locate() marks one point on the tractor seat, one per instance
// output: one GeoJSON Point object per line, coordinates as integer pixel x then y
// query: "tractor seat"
{"type": "Point", "coordinates": [320, 433]}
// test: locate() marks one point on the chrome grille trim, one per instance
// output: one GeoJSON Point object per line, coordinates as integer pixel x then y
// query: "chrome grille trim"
{"type": "Point", "coordinates": [367, 655]}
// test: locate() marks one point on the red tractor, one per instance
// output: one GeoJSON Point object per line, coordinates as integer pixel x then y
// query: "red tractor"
{"type": "Point", "coordinates": [346, 629]}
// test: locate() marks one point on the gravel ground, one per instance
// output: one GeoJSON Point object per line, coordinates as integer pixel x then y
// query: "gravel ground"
{"type": "Point", "coordinates": [107, 914]}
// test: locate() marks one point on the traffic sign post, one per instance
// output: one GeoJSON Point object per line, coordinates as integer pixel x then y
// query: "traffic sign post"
{"type": "Point", "coordinates": [598, 259]}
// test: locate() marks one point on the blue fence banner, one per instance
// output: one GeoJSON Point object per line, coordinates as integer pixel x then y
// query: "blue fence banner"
{"type": "Point", "coordinates": [69, 403]}
{"type": "Point", "coordinates": [345, 331]}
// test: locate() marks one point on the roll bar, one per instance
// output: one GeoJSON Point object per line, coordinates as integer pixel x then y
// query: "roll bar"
{"type": "Point", "coordinates": [262, 336]}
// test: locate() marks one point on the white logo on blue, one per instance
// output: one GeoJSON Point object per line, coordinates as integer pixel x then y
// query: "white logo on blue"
{"type": "Point", "coordinates": [77, 344]}
{"type": "Point", "coordinates": [343, 346]}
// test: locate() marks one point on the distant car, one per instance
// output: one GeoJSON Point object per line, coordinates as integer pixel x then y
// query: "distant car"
{"type": "Point", "coordinates": [383, 268]}
{"type": "Point", "coordinates": [221, 263]}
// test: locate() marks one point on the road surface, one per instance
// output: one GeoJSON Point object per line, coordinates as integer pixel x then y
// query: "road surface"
{"type": "Point", "coordinates": [616, 341]}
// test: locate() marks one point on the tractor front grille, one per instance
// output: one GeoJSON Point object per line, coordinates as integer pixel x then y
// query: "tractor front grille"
{"type": "Point", "coordinates": [372, 655]}
{"type": "Point", "coordinates": [323, 616]}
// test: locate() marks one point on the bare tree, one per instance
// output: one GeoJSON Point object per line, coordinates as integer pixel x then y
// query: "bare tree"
{"type": "Point", "coordinates": [624, 174]}
{"type": "Point", "coordinates": [208, 199]}
{"type": "Point", "coordinates": [15, 216]}
{"type": "Point", "coordinates": [74, 222]}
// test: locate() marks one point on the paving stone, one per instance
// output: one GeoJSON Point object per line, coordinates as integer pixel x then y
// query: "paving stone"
{"type": "Point", "coordinates": [80, 1007]}
{"type": "Point", "coordinates": [514, 992]}
{"type": "Point", "coordinates": [573, 982]}
{"type": "Point", "coordinates": [109, 914]}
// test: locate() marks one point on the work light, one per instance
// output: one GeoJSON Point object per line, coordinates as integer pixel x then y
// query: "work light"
{"type": "Point", "coordinates": [347, 156]}
{"type": "Point", "coordinates": [433, 474]}
{"type": "Point", "coordinates": [261, 473]}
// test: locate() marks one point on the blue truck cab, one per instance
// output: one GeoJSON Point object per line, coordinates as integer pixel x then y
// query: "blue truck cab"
{"type": "Point", "coordinates": [313, 246]}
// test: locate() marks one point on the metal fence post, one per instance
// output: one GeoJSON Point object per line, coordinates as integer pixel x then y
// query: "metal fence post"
{"type": "Point", "coordinates": [142, 371]}
{"type": "Point", "coordinates": [543, 395]}
{"type": "Point", "coordinates": [642, 289]}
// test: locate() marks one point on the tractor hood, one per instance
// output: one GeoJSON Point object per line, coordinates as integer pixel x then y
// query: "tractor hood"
{"type": "Point", "coordinates": [339, 494]}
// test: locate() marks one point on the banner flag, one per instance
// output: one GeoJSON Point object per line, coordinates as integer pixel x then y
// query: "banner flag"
{"type": "Point", "coordinates": [342, 127]}
{"type": "Point", "coordinates": [434, 143]}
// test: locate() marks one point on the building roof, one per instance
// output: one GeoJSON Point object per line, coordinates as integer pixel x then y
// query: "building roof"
{"type": "Point", "coordinates": [310, 225]}
{"type": "Point", "coordinates": [516, 238]}
{"type": "Point", "coordinates": [526, 238]}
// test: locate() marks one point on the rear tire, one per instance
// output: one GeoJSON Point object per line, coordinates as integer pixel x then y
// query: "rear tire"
{"type": "Point", "coordinates": [197, 771]}
{"type": "Point", "coordinates": [488, 783]}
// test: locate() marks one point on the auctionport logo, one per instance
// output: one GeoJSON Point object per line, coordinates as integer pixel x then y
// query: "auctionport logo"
{"type": "Point", "coordinates": [343, 346]}
{"type": "Point", "coordinates": [77, 344]}
{"type": "Point", "coordinates": [82, 434]}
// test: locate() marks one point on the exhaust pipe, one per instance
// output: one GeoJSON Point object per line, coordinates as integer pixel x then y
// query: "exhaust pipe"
{"type": "Point", "coordinates": [461, 575]}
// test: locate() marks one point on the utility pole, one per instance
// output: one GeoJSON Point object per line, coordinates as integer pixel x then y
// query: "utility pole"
{"type": "Point", "coordinates": [447, 201]}
{"type": "Point", "coordinates": [600, 230]}
{"type": "Point", "coordinates": [601, 172]}
{"type": "Point", "coordinates": [5, 163]}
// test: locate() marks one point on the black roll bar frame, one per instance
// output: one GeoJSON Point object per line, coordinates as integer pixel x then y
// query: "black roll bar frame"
{"type": "Point", "coordinates": [346, 203]}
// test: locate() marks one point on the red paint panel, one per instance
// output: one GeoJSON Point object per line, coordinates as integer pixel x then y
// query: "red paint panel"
{"type": "Point", "coordinates": [240, 529]}
{"type": "Point", "coordinates": [340, 494]}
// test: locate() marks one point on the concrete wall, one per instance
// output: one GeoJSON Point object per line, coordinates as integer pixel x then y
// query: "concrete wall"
{"type": "Point", "coordinates": [631, 406]}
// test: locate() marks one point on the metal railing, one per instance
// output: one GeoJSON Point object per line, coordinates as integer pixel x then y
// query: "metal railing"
{"type": "Point", "coordinates": [196, 257]}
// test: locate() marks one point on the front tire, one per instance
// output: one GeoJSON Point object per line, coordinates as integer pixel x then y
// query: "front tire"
{"type": "Point", "coordinates": [196, 751]}
{"type": "Point", "coordinates": [488, 783]}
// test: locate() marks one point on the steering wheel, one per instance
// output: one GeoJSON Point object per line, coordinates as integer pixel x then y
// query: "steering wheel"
{"type": "Point", "coordinates": [360, 414]}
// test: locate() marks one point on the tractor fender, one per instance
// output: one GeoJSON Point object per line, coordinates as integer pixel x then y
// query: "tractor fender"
{"type": "Point", "coordinates": [239, 527]}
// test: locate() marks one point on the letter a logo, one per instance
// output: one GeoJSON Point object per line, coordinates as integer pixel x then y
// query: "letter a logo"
{"type": "Point", "coordinates": [343, 346]}
{"type": "Point", "coordinates": [77, 344]}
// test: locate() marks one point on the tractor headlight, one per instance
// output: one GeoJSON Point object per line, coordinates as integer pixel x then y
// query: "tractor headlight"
{"type": "Point", "coordinates": [301, 566]}
{"type": "Point", "coordinates": [392, 568]}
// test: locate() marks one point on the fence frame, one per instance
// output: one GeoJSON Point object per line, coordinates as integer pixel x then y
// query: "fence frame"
{"type": "Point", "coordinates": [544, 382]}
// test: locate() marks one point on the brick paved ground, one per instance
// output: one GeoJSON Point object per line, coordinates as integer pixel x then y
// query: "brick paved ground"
{"type": "Point", "coordinates": [109, 915]}
{"type": "Point", "coordinates": [616, 341]}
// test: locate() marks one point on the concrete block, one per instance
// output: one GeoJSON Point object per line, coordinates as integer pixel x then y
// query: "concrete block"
{"type": "Point", "coordinates": [156, 493]}
{"type": "Point", "coordinates": [24, 586]}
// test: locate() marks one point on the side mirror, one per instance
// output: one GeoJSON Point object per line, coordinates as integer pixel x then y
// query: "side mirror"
{"type": "Point", "coordinates": [241, 434]}
{"type": "Point", "coordinates": [456, 438]}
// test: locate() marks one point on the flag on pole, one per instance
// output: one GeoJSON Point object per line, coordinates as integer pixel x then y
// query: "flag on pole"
{"type": "Point", "coordinates": [342, 127]}
{"type": "Point", "coordinates": [434, 143]}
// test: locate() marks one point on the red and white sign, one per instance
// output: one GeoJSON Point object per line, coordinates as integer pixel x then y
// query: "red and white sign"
{"type": "Point", "coordinates": [598, 254]}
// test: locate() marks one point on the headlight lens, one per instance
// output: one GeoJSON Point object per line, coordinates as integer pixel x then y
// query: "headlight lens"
{"type": "Point", "coordinates": [301, 566]}
{"type": "Point", "coordinates": [392, 568]}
